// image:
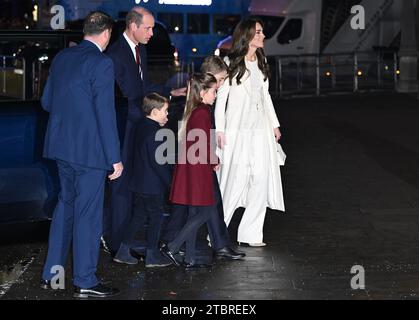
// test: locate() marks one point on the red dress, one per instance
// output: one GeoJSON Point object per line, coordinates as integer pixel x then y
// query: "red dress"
{"type": "Point", "coordinates": [193, 175]}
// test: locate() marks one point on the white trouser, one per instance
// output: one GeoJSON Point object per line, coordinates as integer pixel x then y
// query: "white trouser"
{"type": "Point", "coordinates": [253, 192]}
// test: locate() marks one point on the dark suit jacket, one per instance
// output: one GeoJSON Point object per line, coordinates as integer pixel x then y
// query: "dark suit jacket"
{"type": "Point", "coordinates": [193, 182]}
{"type": "Point", "coordinates": [79, 95]}
{"type": "Point", "coordinates": [132, 88]}
{"type": "Point", "coordinates": [128, 79]}
{"type": "Point", "coordinates": [148, 177]}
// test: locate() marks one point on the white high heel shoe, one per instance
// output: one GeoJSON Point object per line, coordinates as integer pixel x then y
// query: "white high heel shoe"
{"type": "Point", "coordinates": [260, 244]}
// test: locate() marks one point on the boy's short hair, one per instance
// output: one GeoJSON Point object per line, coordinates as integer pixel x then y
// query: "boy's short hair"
{"type": "Point", "coordinates": [153, 101]}
{"type": "Point", "coordinates": [213, 64]}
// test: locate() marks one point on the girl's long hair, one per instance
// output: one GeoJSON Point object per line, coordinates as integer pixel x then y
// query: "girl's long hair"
{"type": "Point", "coordinates": [242, 36]}
{"type": "Point", "coordinates": [197, 83]}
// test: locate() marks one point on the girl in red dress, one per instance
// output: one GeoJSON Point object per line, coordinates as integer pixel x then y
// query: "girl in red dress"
{"type": "Point", "coordinates": [193, 184]}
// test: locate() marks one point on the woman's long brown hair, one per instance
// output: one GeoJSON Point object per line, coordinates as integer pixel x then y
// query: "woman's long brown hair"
{"type": "Point", "coordinates": [242, 36]}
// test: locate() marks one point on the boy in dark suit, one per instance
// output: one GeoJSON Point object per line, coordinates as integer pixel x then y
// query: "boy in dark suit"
{"type": "Point", "coordinates": [150, 183]}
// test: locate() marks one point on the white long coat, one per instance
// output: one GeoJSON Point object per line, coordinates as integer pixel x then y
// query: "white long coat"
{"type": "Point", "coordinates": [234, 113]}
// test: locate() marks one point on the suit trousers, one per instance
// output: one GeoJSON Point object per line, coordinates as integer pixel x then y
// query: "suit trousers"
{"type": "Point", "coordinates": [216, 226]}
{"type": "Point", "coordinates": [119, 210]}
{"type": "Point", "coordinates": [77, 220]}
{"type": "Point", "coordinates": [146, 208]}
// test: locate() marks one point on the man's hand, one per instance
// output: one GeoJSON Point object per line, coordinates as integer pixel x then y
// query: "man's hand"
{"type": "Point", "coordinates": [178, 92]}
{"type": "Point", "coordinates": [117, 171]}
{"type": "Point", "coordinates": [217, 167]}
{"type": "Point", "coordinates": [277, 134]}
{"type": "Point", "coordinates": [221, 140]}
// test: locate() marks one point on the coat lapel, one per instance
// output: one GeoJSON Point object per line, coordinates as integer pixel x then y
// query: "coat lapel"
{"type": "Point", "coordinates": [128, 52]}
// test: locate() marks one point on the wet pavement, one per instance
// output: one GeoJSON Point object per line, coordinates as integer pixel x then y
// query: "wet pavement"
{"type": "Point", "coordinates": [351, 187]}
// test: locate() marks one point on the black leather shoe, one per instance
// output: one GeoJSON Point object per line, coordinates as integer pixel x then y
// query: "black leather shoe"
{"type": "Point", "coordinates": [196, 266]}
{"type": "Point", "coordinates": [98, 291]}
{"type": "Point", "coordinates": [104, 245]}
{"type": "Point", "coordinates": [164, 249]}
{"type": "Point", "coordinates": [45, 284]}
{"type": "Point", "coordinates": [137, 254]}
{"type": "Point", "coordinates": [229, 253]}
{"type": "Point", "coordinates": [239, 252]}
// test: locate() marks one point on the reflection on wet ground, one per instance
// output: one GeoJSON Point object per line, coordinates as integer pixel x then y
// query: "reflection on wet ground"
{"type": "Point", "coordinates": [351, 187]}
{"type": "Point", "coordinates": [10, 276]}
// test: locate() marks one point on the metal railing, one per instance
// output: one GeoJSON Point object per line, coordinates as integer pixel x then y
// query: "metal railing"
{"type": "Point", "coordinates": [290, 74]}
{"type": "Point", "coordinates": [315, 74]}
{"type": "Point", "coordinates": [341, 72]}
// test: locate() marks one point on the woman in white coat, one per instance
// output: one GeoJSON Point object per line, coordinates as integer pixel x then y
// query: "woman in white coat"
{"type": "Point", "coordinates": [247, 131]}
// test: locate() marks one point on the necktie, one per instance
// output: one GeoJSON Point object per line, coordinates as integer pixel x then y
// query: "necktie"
{"type": "Point", "coordinates": [137, 55]}
{"type": "Point", "coordinates": [138, 60]}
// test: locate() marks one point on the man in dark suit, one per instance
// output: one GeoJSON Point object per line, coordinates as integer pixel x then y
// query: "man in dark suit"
{"type": "Point", "coordinates": [130, 60]}
{"type": "Point", "coordinates": [82, 137]}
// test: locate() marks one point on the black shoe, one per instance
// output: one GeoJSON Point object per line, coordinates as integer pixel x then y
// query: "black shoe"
{"type": "Point", "coordinates": [239, 252]}
{"type": "Point", "coordinates": [98, 291]}
{"type": "Point", "coordinates": [104, 245]}
{"type": "Point", "coordinates": [229, 253]}
{"type": "Point", "coordinates": [137, 254]}
{"type": "Point", "coordinates": [164, 249]}
{"type": "Point", "coordinates": [196, 266]}
{"type": "Point", "coordinates": [45, 284]}
{"type": "Point", "coordinates": [181, 252]}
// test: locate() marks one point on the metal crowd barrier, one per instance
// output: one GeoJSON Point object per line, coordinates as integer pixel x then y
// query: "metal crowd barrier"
{"type": "Point", "coordinates": [307, 74]}
{"type": "Point", "coordinates": [315, 74]}
{"type": "Point", "coordinates": [341, 72]}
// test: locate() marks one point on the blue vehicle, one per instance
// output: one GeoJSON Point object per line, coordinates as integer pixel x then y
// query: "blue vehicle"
{"type": "Point", "coordinates": [195, 26]}
{"type": "Point", "coordinates": [29, 183]}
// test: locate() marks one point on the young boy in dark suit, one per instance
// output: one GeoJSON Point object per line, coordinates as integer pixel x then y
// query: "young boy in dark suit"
{"type": "Point", "coordinates": [150, 183]}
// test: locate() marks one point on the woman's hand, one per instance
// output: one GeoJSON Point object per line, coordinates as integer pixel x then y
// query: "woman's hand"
{"type": "Point", "coordinates": [221, 140]}
{"type": "Point", "coordinates": [277, 134]}
{"type": "Point", "coordinates": [217, 167]}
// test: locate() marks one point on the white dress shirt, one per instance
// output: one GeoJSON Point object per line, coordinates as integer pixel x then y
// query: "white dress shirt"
{"type": "Point", "coordinates": [132, 46]}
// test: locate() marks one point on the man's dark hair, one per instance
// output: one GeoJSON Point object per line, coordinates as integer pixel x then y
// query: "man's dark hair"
{"type": "Point", "coordinates": [136, 17]}
{"type": "Point", "coordinates": [97, 22]}
{"type": "Point", "coordinates": [153, 101]}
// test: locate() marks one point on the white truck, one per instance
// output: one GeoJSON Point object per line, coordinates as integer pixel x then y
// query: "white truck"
{"type": "Point", "coordinates": [295, 27]}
